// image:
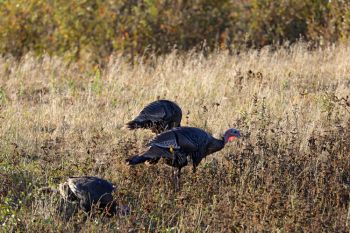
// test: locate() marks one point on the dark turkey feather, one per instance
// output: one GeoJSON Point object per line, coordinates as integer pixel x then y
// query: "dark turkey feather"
{"type": "Point", "coordinates": [179, 145]}
{"type": "Point", "coordinates": [159, 116]}
{"type": "Point", "coordinates": [187, 139]}
{"type": "Point", "coordinates": [88, 191]}
{"type": "Point", "coordinates": [137, 159]}
{"type": "Point", "coordinates": [97, 189]}
{"type": "Point", "coordinates": [154, 153]}
{"type": "Point", "coordinates": [165, 140]}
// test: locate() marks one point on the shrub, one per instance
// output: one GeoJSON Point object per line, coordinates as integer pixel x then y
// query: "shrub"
{"type": "Point", "coordinates": [94, 29]}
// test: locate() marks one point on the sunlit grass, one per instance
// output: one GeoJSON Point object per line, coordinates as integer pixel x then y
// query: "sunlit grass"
{"type": "Point", "coordinates": [290, 171]}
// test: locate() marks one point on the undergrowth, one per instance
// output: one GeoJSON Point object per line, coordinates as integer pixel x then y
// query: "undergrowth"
{"type": "Point", "coordinates": [288, 173]}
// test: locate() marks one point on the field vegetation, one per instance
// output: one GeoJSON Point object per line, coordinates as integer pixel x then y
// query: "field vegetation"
{"type": "Point", "coordinates": [92, 30]}
{"type": "Point", "coordinates": [290, 172]}
{"type": "Point", "coordinates": [72, 73]}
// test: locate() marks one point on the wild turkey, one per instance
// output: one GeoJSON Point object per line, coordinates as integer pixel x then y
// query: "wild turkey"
{"type": "Point", "coordinates": [89, 191]}
{"type": "Point", "coordinates": [158, 116]}
{"type": "Point", "coordinates": [84, 192]}
{"type": "Point", "coordinates": [181, 143]}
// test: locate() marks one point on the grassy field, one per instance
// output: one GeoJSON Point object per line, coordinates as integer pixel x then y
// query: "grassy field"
{"type": "Point", "coordinates": [290, 172]}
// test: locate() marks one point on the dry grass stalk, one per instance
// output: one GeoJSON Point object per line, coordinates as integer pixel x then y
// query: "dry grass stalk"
{"type": "Point", "coordinates": [290, 172]}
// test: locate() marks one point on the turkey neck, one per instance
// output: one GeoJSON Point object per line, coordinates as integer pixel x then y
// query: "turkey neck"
{"type": "Point", "coordinates": [215, 145]}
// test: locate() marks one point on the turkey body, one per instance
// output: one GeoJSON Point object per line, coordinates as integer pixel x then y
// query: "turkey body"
{"type": "Point", "coordinates": [178, 146]}
{"type": "Point", "coordinates": [88, 191]}
{"type": "Point", "coordinates": [181, 144]}
{"type": "Point", "coordinates": [158, 116]}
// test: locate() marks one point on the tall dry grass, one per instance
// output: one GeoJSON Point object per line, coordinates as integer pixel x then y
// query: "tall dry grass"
{"type": "Point", "coordinates": [290, 171]}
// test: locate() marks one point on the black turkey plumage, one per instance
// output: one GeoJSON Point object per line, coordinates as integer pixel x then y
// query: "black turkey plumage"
{"type": "Point", "coordinates": [89, 191]}
{"type": "Point", "coordinates": [158, 116]}
{"type": "Point", "coordinates": [180, 144]}
{"type": "Point", "coordinates": [86, 192]}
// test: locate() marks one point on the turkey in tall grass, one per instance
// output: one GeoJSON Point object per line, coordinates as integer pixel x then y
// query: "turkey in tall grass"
{"type": "Point", "coordinates": [179, 145]}
{"type": "Point", "coordinates": [158, 116]}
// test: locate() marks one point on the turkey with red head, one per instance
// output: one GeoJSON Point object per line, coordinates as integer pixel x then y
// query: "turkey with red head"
{"type": "Point", "coordinates": [158, 116]}
{"type": "Point", "coordinates": [180, 144]}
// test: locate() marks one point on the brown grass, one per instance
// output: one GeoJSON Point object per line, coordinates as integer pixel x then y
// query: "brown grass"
{"type": "Point", "coordinates": [290, 171]}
